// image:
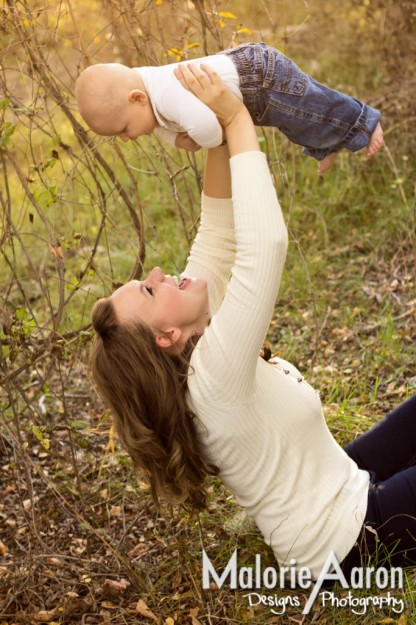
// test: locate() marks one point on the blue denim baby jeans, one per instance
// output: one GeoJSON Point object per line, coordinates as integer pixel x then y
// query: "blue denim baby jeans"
{"type": "Point", "coordinates": [277, 93]}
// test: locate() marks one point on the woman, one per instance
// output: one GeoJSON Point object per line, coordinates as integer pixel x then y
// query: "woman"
{"type": "Point", "coordinates": [178, 365]}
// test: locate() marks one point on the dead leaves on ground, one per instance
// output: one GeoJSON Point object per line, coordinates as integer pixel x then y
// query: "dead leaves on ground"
{"type": "Point", "coordinates": [73, 605]}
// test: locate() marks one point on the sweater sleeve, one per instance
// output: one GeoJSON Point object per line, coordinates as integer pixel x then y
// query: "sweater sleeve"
{"type": "Point", "coordinates": [227, 354]}
{"type": "Point", "coordinates": [213, 251]}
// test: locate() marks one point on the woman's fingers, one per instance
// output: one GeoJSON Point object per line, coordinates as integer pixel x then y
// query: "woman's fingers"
{"type": "Point", "coordinates": [211, 74]}
{"type": "Point", "coordinates": [185, 77]}
{"type": "Point", "coordinates": [206, 76]}
{"type": "Point", "coordinates": [192, 78]}
{"type": "Point", "coordinates": [202, 81]}
{"type": "Point", "coordinates": [208, 87]}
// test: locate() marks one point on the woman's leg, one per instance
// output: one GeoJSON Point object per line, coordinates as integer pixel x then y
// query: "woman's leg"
{"type": "Point", "coordinates": [388, 452]}
{"type": "Point", "coordinates": [393, 507]}
{"type": "Point", "coordinates": [390, 446]}
{"type": "Point", "coordinates": [388, 535]}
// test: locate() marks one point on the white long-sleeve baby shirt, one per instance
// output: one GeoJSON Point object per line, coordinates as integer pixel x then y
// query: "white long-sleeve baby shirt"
{"type": "Point", "coordinates": [262, 424]}
{"type": "Point", "coordinates": [177, 110]}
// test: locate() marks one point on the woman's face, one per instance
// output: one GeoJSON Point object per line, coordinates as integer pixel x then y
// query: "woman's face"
{"type": "Point", "coordinates": [162, 304]}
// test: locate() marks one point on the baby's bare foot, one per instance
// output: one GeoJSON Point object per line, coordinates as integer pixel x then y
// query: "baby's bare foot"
{"type": "Point", "coordinates": [376, 141]}
{"type": "Point", "coordinates": [327, 163]}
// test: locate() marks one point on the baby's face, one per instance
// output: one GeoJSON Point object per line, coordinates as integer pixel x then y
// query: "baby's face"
{"type": "Point", "coordinates": [136, 119]}
{"type": "Point", "coordinates": [130, 119]}
{"type": "Point", "coordinates": [113, 102]}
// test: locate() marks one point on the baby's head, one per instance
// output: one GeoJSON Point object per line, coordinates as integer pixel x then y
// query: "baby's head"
{"type": "Point", "coordinates": [113, 101]}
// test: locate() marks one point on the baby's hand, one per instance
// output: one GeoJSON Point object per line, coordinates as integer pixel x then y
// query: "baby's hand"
{"type": "Point", "coordinates": [184, 141]}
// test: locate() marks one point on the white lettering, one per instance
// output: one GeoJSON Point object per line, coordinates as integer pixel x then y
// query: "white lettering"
{"type": "Point", "coordinates": [382, 577]}
{"type": "Point", "coordinates": [357, 577]}
{"type": "Point", "coordinates": [369, 571]}
{"type": "Point", "coordinates": [293, 580]}
{"type": "Point", "coordinates": [245, 577]}
{"type": "Point", "coordinates": [270, 577]}
{"type": "Point", "coordinates": [208, 568]}
{"type": "Point", "coordinates": [304, 577]}
{"type": "Point", "coordinates": [359, 605]}
{"type": "Point", "coordinates": [396, 571]}
{"type": "Point", "coordinates": [257, 598]}
{"type": "Point", "coordinates": [330, 563]}
{"type": "Point", "coordinates": [258, 570]}
{"type": "Point", "coordinates": [273, 601]}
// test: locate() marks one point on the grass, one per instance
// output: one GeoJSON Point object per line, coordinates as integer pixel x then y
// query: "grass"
{"type": "Point", "coordinates": [340, 316]}
{"type": "Point", "coordinates": [73, 514]}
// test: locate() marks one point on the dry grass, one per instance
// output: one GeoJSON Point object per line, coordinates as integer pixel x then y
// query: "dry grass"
{"type": "Point", "coordinates": [79, 216]}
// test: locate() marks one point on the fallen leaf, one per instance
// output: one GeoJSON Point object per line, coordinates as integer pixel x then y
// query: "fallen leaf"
{"type": "Point", "coordinates": [73, 604]}
{"type": "Point", "coordinates": [117, 586]}
{"type": "Point", "coordinates": [55, 561]}
{"type": "Point", "coordinates": [106, 617]}
{"type": "Point", "coordinates": [43, 616]}
{"type": "Point", "coordinates": [139, 548]}
{"type": "Point", "coordinates": [10, 523]}
{"type": "Point", "coordinates": [115, 510]}
{"type": "Point", "coordinates": [3, 548]}
{"type": "Point", "coordinates": [109, 605]}
{"type": "Point", "coordinates": [346, 334]}
{"type": "Point", "coordinates": [141, 608]}
{"type": "Point", "coordinates": [193, 613]}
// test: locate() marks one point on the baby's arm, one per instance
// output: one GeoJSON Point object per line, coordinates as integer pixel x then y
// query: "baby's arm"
{"type": "Point", "coordinates": [190, 116]}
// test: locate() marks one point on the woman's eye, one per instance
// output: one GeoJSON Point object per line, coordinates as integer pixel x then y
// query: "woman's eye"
{"type": "Point", "coordinates": [149, 289]}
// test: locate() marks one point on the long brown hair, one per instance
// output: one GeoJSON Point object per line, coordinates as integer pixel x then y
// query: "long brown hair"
{"type": "Point", "coordinates": [145, 388]}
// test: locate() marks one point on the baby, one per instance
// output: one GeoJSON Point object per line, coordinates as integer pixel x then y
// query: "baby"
{"type": "Point", "coordinates": [116, 100]}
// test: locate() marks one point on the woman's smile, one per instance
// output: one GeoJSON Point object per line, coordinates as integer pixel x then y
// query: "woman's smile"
{"type": "Point", "coordinates": [164, 303]}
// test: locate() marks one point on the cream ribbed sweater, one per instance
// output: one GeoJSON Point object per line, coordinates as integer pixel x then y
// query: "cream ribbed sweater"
{"type": "Point", "coordinates": [262, 424]}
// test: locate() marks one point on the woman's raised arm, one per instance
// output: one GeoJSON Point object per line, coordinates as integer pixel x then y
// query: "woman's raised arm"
{"type": "Point", "coordinates": [213, 251]}
{"type": "Point", "coordinates": [217, 174]}
{"type": "Point", "coordinates": [227, 354]}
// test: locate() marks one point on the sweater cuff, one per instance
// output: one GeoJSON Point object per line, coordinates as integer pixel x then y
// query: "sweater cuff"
{"type": "Point", "coordinates": [247, 162]}
{"type": "Point", "coordinates": [217, 212]}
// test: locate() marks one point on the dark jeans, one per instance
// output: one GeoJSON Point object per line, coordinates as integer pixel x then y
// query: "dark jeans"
{"type": "Point", "coordinates": [277, 93]}
{"type": "Point", "coordinates": [388, 452]}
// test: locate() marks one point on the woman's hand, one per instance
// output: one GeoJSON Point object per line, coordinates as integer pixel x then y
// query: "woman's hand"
{"type": "Point", "coordinates": [208, 87]}
{"type": "Point", "coordinates": [232, 114]}
{"type": "Point", "coordinates": [184, 141]}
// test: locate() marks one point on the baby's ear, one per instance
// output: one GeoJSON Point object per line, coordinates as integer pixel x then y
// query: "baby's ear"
{"type": "Point", "coordinates": [136, 95]}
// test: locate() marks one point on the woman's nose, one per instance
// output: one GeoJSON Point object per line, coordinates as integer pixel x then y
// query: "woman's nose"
{"type": "Point", "coordinates": [157, 274]}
